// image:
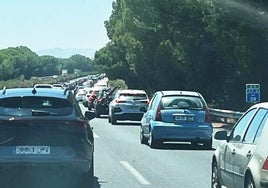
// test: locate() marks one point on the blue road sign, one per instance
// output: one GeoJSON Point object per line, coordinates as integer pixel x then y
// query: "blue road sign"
{"type": "Point", "coordinates": [252, 93]}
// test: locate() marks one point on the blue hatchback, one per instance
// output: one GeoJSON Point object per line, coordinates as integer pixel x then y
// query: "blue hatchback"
{"type": "Point", "coordinates": [176, 116]}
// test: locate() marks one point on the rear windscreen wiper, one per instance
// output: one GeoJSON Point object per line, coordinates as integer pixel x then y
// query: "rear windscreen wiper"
{"type": "Point", "coordinates": [42, 113]}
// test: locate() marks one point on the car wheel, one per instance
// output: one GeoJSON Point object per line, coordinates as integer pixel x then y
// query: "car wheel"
{"type": "Point", "coordinates": [88, 178]}
{"type": "Point", "coordinates": [153, 143]}
{"type": "Point", "coordinates": [215, 181]}
{"type": "Point", "coordinates": [97, 113]}
{"type": "Point", "coordinates": [113, 120]}
{"type": "Point", "coordinates": [249, 182]}
{"type": "Point", "coordinates": [143, 139]}
{"type": "Point", "coordinates": [208, 144]}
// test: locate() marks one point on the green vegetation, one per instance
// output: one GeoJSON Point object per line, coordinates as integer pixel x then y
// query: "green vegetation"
{"type": "Point", "coordinates": [211, 46]}
{"type": "Point", "coordinates": [19, 66]}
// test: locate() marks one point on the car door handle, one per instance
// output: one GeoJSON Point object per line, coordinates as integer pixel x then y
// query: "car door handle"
{"type": "Point", "coordinates": [249, 154]}
{"type": "Point", "coordinates": [233, 152]}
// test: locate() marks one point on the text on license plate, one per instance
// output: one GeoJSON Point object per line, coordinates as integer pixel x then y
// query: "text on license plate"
{"type": "Point", "coordinates": [184, 118]}
{"type": "Point", "coordinates": [131, 107]}
{"type": "Point", "coordinates": [32, 150]}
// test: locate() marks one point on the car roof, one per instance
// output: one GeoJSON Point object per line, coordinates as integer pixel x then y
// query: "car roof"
{"type": "Point", "coordinates": [44, 92]}
{"type": "Point", "coordinates": [260, 105]}
{"type": "Point", "coordinates": [131, 91]}
{"type": "Point", "coordinates": [180, 92]}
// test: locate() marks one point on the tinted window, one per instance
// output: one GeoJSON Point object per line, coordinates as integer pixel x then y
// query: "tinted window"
{"type": "Point", "coordinates": [241, 126]}
{"type": "Point", "coordinates": [25, 105]}
{"type": "Point", "coordinates": [182, 102]}
{"type": "Point", "coordinates": [254, 125]}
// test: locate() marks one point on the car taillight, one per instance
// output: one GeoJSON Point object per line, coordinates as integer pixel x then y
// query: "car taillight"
{"type": "Point", "coordinates": [265, 164]}
{"type": "Point", "coordinates": [77, 124]}
{"type": "Point", "coordinates": [158, 114]}
{"type": "Point", "coordinates": [119, 101]}
{"type": "Point", "coordinates": [207, 118]}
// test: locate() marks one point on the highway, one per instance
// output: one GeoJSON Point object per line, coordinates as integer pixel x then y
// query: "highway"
{"type": "Point", "coordinates": [122, 161]}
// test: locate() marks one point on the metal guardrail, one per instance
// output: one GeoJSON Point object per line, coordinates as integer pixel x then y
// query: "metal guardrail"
{"type": "Point", "coordinates": [227, 116]}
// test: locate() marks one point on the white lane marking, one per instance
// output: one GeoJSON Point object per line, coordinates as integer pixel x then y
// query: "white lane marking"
{"type": "Point", "coordinates": [135, 173]}
{"type": "Point", "coordinates": [95, 135]}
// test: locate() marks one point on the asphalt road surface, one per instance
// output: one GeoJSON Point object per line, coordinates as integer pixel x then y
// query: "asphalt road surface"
{"type": "Point", "coordinates": [122, 161]}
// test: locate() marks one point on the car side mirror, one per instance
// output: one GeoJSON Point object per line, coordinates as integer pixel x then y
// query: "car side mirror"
{"type": "Point", "coordinates": [90, 115]}
{"type": "Point", "coordinates": [221, 135]}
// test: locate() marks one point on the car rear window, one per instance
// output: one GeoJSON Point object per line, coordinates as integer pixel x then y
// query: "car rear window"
{"type": "Point", "coordinates": [133, 96]}
{"type": "Point", "coordinates": [182, 102]}
{"type": "Point", "coordinates": [25, 105]}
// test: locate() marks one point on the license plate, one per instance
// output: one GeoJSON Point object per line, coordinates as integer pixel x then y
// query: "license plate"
{"type": "Point", "coordinates": [180, 118]}
{"type": "Point", "coordinates": [132, 107]}
{"type": "Point", "coordinates": [184, 118]}
{"type": "Point", "coordinates": [28, 150]}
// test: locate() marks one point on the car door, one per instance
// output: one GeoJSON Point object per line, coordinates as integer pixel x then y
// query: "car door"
{"type": "Point", "coordinates": [149, 114]}
{"type": "Point", "coordinates": [245, 150]}
{"type": "Point", "coordinates": [234, 142]}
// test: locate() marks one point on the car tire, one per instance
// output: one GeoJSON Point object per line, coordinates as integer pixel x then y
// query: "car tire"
{"type": "Point", "coordinates": [97, 113]}
{"type": "Point", "coordinates": [113, 120]}
{"type": "Point", "coordinates": [153, 143]}
{"type": "Point", "coordinates": [88, 177]}
{"type": "Point", "coordinates": [208, 144]}
{"type": "Point", "coordinates": [249, 182]}
{"type": "Point", "coordinates": [215, 181]}
{"type": "Point", "coordinates": [143, 139]}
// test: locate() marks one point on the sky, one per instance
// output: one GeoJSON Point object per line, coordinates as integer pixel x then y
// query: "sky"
{"type": "Point", "coordinates": [48, 24]}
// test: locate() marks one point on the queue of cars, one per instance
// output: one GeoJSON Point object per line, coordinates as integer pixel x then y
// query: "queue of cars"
{"type": "Point", "coordinates": [32, 117]}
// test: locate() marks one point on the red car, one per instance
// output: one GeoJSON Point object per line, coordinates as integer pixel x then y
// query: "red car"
{"type": "Point", "coordinates": [92, 96]}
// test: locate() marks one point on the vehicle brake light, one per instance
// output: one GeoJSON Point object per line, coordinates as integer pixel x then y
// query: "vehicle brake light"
{"type": "Point", "coordinates": [158, 114]}
{"type": "Point", "coordinates": [77, 124]}
{"type": "Point", "coordinates": [265, 164]}
{"type": "Point", "coordinates": [119, 101]}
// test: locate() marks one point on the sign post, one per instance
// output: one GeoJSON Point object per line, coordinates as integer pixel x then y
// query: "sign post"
{"type": "Point", "coordinates": [252, 93]}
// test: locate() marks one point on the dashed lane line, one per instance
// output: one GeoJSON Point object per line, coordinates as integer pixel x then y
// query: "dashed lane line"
{"type": "Point", "coordinates": [135, 173]}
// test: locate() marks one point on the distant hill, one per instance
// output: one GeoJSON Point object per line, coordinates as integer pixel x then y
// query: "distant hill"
{"type": "Point", "coordinates": [67, 52]}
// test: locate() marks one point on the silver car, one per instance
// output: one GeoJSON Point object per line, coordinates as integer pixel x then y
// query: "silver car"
{"type": "Point", "coordinates": [242, 158]}
{"type": "Point", "coordinates": [128, 104]}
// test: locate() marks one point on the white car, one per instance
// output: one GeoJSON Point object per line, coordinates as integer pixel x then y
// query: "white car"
{"type": "Point", "coordinates": [80, 94]}
{"type": "Point", "coordinates": [242, 158]}
{"type": "Point", "coordinates": [128, 105]}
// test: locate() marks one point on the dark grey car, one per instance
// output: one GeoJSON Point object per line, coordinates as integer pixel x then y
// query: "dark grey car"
{"type": "Point", "coordinates": [45, 128]}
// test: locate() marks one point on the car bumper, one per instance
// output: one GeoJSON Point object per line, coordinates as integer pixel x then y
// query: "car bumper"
{"type": "Point", "coordinates": [183, 133]}
{"type": "Point", "coordinates": [81, 165]}
{"type": "Point", "coordinates": [129, 116]}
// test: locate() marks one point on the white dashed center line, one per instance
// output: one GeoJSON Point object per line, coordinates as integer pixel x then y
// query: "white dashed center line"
{"type": "Point", "coordinates": [135, 173]}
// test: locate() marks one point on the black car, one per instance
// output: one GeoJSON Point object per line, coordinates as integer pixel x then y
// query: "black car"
{"type": "Point", "coordinates": [101, 103]}
{"type": "Point", "coordinates": [45, 128]}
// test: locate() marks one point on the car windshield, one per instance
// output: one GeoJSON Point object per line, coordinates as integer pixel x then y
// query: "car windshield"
{"type": "Point", "coordinates": [24, 106]}
{"type": "Point", "coordinates": [184, 102]}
